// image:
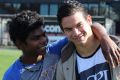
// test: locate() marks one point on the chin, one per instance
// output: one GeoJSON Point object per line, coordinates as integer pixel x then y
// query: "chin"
{"type": "Point", "coordinates": [80, 42]}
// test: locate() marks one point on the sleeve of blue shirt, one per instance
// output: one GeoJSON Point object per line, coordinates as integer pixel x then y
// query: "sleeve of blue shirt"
{"type": "Point", "coordinates": [9, 75]}
{"type": "Point", "coordinates": [55, 48]}
{"type": "Point", "coordinates": [13, 72]}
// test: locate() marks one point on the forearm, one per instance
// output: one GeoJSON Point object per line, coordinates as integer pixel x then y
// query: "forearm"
{"type": "Point", "coordinates": [99, 31]}
{"type": "Point", "coordinates": [109, 47]}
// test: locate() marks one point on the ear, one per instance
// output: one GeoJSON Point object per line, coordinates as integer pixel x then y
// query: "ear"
{"type": "Point", "coordinates": [19, 44]}
{"type": "Point", "coordinates": [89, 19]}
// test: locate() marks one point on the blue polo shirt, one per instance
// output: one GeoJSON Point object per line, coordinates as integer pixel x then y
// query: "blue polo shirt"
{"type": "Point", "coordinates": [13, 72]}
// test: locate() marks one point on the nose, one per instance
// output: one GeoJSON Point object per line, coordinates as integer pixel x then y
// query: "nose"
{"type": "Point", "coordinates": [76, 32]}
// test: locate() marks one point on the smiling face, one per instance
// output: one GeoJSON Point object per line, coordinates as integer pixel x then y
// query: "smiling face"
{"type": "Point", "coordinates": [77, 28]}
{"type": "Point", "coordinates": [34, 42]}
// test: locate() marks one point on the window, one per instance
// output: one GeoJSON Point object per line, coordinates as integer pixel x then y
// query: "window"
{"type": "Point", "coordinates": [44, 9]}
{"type": "Point", "coordinates": [16, 5]}
{"type": "Point", "coordinates": [53, 9]}
{"type": "Point", "coordinates": [93, 8]}
{"type": "Point", "coordinates": [86, 6]}
{"type": "Point", "coordinates": [102, 8]}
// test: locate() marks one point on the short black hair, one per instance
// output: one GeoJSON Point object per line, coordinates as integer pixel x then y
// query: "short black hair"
{"type": "Point", "coordinates": [69, 7]}
{"type": "Point", "coordinates": [22, 24]}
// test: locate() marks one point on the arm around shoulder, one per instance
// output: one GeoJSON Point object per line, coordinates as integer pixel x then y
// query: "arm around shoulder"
{"type": "Point", "coordinates": [56, 47]}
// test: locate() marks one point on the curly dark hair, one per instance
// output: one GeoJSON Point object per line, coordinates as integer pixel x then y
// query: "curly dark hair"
{"type": "Point", "coordinates": [69, 7]}
{"type": "Point", "coordinates": [22, 24]}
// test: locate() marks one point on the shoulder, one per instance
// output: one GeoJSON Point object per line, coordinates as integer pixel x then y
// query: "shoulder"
{"type": "Point", "coordinates": [67, 51]}
{"type": "Point", "coordinates": [12, 72]}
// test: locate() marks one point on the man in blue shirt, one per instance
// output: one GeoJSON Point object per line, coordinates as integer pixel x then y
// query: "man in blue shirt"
{"type": "Point", "coordinates": [38, 60]}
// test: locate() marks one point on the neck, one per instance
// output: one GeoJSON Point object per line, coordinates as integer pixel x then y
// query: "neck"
{"type": "Point", "coordinates": [88, 48]}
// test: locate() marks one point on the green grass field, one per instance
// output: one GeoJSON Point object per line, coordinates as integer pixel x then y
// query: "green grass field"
{"type": "Point", "coordinates": [7, 57]}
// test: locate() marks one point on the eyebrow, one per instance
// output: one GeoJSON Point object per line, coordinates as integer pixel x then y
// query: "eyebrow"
{"type": "Point", "coordinates": [79, 23]}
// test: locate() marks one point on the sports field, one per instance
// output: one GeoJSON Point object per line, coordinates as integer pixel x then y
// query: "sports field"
{"type": "Point", "coordinates": [7, 57]}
